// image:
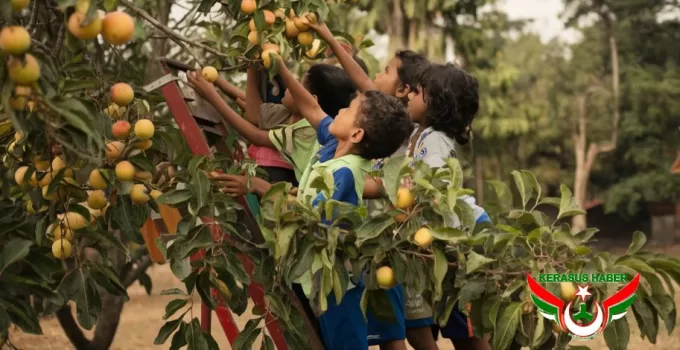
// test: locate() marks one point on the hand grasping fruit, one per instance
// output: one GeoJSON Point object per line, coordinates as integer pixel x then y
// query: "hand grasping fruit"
{"type": "Point", "coordinates": [210, 74]}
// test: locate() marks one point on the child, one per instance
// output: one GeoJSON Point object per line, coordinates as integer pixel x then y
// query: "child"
{"type": "Point", "coordinates": [329, 84]}
{"type": "Point", "coordinates": [373, 126]}
{"type": "Point", "coordinates": [443, 104]}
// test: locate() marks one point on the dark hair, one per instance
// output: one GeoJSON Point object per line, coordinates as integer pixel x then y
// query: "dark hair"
{"type": "Point", "coordinates": [361, 63]}
{"type": "Point", "coordinates": [411, 64]}
{"type": "Point", "coordinates": [452, 99]}
{"type": "Point", "coordinates": [385, 122]}
{"type": "Point", "coordinates": [331, 86]}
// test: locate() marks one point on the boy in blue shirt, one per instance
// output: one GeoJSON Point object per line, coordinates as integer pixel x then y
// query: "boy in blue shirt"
{"type": "Point", "coordinates": [374, 126]}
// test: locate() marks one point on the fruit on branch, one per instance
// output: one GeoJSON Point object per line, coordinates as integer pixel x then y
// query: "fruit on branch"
{"type": "Point", "coordinates": [20, 174]}
{"type": "Point", "coordinates": [122, 94]}
{"type": "Point", "coordinates": [72, 220]}
{"type": "Point", "coordinates": [125, 171]}
{"type": "Point", "coordinates": [267, 57]}
{"type": "Point", "coordinates": [269, 17]}
{"type": "Point", "coordinates": [423, 237]}
{"type": "Point", "coordinates": [58, 164]}
{"type": "Point", "coordinates": [405, 198]}
{"type": "Point", "coordinates": [254, 38]}
{"type": "Point", "coordinates": [291, 29]}
{"type": "Point", "coordinates": [14, 40]}
{"type": "Point", "coordinates": [114, 150]}
{"type": "Point", "coordinates": [59, 231]}
{"type": "Point", "coordinates": [155, 194]}
{"type": "Point", "coordinates": [96, 180]}
{"type": "Point", "coordinates": [143, 145]}
{"type": "Point", "coordinates": [385, 277]}
{"type": "Point", "coordinates": [40, 163]}
{"type": "Point", "coordinates": [567, 291]}
{"type": "Point", "coordinates": [96, 199]}
{"type": "Point", "coordinates": [60, 193]}
{"type": "Point", "coordinates": [61, 249]}
{"type": "Point", "coordinates": [248, 6]}
{"type": "Point", "coordinates": [301, 23]}
{"type": "Point", "coordinates": [305, 38]}
{"type": "Point", "coordinates": [280, 13]}
{"type": "Point", "coordinates": [84, 32]}
{"type": "Point", "coordinates": [114, 111]}
{"type": "Point", "coordinates": [23, 73]}
{"type": "Point", "coordinates": [210, 74]}
{"type": "Point", "coordinates": [314, 50]}
{"type": "Point", "coordinates": [19, 5]}
{"type": "Point", "coordinates": [138, 194]}
{"type": "Point", "coordinates": [118, 28]}
{"type": "Point", "coordinates": [121, 129]}
{"type": "Point", "coordinates": [143, 175]}
{"type": "Point", "coordinates": [144, 129]}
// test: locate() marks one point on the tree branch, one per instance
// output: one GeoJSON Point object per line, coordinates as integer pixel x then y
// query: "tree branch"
{"type": "Point", "coordinates": [133, 274]}
{"type": "Point", "coordinates": [167, 30]}
{"type": "Point", "coordinates": [71, 328]}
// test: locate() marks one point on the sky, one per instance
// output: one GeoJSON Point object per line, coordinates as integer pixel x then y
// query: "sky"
{"type": "Point", "coordinates": [546, 16]}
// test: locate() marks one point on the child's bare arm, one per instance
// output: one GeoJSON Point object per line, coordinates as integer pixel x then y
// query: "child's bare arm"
{"type": "Point", "coordinates": [241, 103]}
{"type": "Point", "coordinates": [372, 188]}
{"type": "Point", "coordinates": [249, 131]}
{"type": "Point", "coordinates": [305, 102]}
{"type": "Point", "coordinates": [252, 96]}
{"type": "Point", "coordinates": [362, 81]}
{"type": "Point", "coordinates": [229, 89]}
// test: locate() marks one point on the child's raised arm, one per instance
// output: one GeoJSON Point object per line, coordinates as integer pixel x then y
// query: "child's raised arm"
{"type": "Point", "coordinates": [231, 90]}
{"type": "Point", "coordinates": [305, 101]}
{"type": "Point", "coordinates": [249, 131]}
{"type": "Point", "coordinates": [362, 81]}
{"type": "Point", "coordinates": [252, 96]}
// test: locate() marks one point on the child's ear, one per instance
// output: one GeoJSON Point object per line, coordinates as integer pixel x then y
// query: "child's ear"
{"type": "Point", "coordinates": [357, 135]}
{"type": "Point", "coordinates": [316, 98]}
{"type": "Point", "coordinates": [403, 90]}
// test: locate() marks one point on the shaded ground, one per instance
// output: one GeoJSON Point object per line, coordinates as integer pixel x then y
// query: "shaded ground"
{"type": "Point", "coordinates": [142, 318]}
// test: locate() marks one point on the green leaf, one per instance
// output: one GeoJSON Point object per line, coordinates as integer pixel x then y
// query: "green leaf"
{"type": "Point", "coordinates": [617, 334]}
{"type": "Point", "coordinates": [449, 234]}
{"type": "Point", "coordinates": [506, 326]}
{"type": "Point", "coordinates": [373, 227]}
{"type": "Point", "coordinates": [567, 205]}
{"type": "Point", "coordinates": [166, 330]}
{"type": "Point", "coordinates": [248, 335]}
{"type": "Point", "coordinates": [639, 240]}
{"type": "Point", "coordinates": [514, 286]}
{"type": "Point", "coordinates": [200, 185]}
{"type": "Point", "coordinates": [110, 5]}
{"type": "Point", "coordinates": [173, 306]}
{"type": "Point", "coordinates": [175, 197]}
{"type": "Point", "coordinates": [521, 188]}
{"type": "Point", "coordinates": [173, 291]}
{"type": "Point", "coordinates": [530, 179]}
{"type": "Point", "coordinates": [647, 321]}
{"type": "Point", "coordinates": [194, 336]}
{"type": "Point", "coordinates": [283, 239]}
{"type": "Point", "coordinates": [441, 265]}
{"type": "Point", "coordinates": [475, 261]}
{"type": "Point", "coordinates": [13, 251]}
{"type": "Point", "coordinates": [391, 176]}
{"type": "Point", "coordinates": [21, 314]}
{"type": "Point", "coordinates": [268, 343]}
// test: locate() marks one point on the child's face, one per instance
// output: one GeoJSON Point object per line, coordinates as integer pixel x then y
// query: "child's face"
{"type": "Point", "coordinates": [344, 126]}
{"type": "Point", "coordinates": [387, 81]}
{"type": "Point", "coordinates": [417, 108]}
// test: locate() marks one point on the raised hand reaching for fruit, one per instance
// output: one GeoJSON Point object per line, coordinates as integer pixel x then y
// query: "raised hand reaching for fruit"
{"type": "Point", "coordinates": [201, 86]}
{"type": "Point", "coordinates": [322, 30]}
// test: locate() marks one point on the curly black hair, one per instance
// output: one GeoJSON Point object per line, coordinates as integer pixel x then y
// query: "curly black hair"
{"type": "Point", "coordinates": [452, 99]}
{"type": "Point", "coordinates": [411, 63]}
{"type": "Point", "coordinates": [385, 122]}
{"type": "Point", "coordinates": [332, 87]}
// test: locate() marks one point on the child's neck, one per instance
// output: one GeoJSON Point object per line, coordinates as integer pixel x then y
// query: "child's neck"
{"type": "Point", "coordinates": [344, 148]}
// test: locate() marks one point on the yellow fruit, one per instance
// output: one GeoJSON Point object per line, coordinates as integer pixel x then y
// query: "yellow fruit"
{"type": "Point", "coordinates": [41, 164]}
{"type": "Point", "coordinates": [23, 73]}
{"type": "Point", "coordinates": [568, 291]}
{"type": "Point", "coordinates": [18, 5]}
{"type": "Point", "coordinates": [305, 38]}
{"type": "Point", "coordinates": [314, 50]}
{"type": "Point", "coordinates": [143, 175]}
{"type": "Point", "coordinates": [269, 17]}
{"type": "Point", "coordinates": [291, 29]}
{"type": "Point", "coordinates": [114, 149]}
{"type": "Point", "coordinates": [60, 193]}
{"type": "Point", "coordinates": [405, 198]}
{"type": "Point", "coordinates": [61, 232]}
{"type": "Point", "coordinates": [47, 179]}
{"type": "Point", "coordinates": [280, 13]}
{"type": "Point", "coordinates": [142, 146]}
{"type": "Point", "coordinates": [252, 25]}
{"type": "Point", "coordinates": [73, 220]}
{"type": "Point", "coordinates": [58, 164]}
{"type": "Point", "coordinates": [423, 237]}
{"type": "Point", "coordinates": [96, 180]}
{"type": "Point", "coordinates": [121, 129]}
{"type": "Point", "coordinates": [311, 17]}
{"type": "Point", "coordinates": [210, 74]}
{"type": "Point", "coordinates": [144, 129]}
{"type": "Point", "coordinates": [114, 111]}
{"type": "Point", "coordinates": [138, 194]}
{"type": "Point", "coordinates": [155, 194]}
{"type": "Point", "coordinates": [271, 47]}
{"type": "Point", "coordinates": [19, 175]}
{"type": "Point", "coordinates": [14, 40]}
{"type": "Point", "coordinates": [254, 38]}
{"type": "Point", "coordinates": [122, 94]}
{"type": "Point", "coordinates": [248, 6]}
{"type": "Point", "coordinates": [301, 23]}
{"type": "Point", "coordinates": [97, 199]}
{"type": "Point", "coordinates": [61, 249]}
{"type": "Point", "coordinates": [125, 171]}
{"type": "Point", "coordinates": [118, 28]}
{"type": "Point", "coordinates": [267, 58]}
{"type": "Point", "coordinates": [385, 277]}
{"type": "Point", "coordinates": [87, 32]}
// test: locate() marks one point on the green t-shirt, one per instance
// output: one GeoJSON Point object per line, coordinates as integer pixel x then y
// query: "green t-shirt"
{"type": "Point", "coordinates": [295, 142]}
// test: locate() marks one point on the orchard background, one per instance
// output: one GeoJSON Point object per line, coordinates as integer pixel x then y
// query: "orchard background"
{"type": "Point", "coordinates": [88, 154]}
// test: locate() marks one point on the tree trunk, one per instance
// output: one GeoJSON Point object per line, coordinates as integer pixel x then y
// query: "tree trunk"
{"type": "Point", "coordinates": [396, 30]}
{"type": "Point", "coordinates": [479, 180]}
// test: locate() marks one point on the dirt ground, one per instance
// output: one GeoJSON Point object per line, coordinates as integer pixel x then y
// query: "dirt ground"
{"type": "Point", "coordinates": [142, 318]}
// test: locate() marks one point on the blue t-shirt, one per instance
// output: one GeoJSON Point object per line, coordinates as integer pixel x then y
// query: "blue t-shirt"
{"type": "Point", "coordinates": [343, 179]}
